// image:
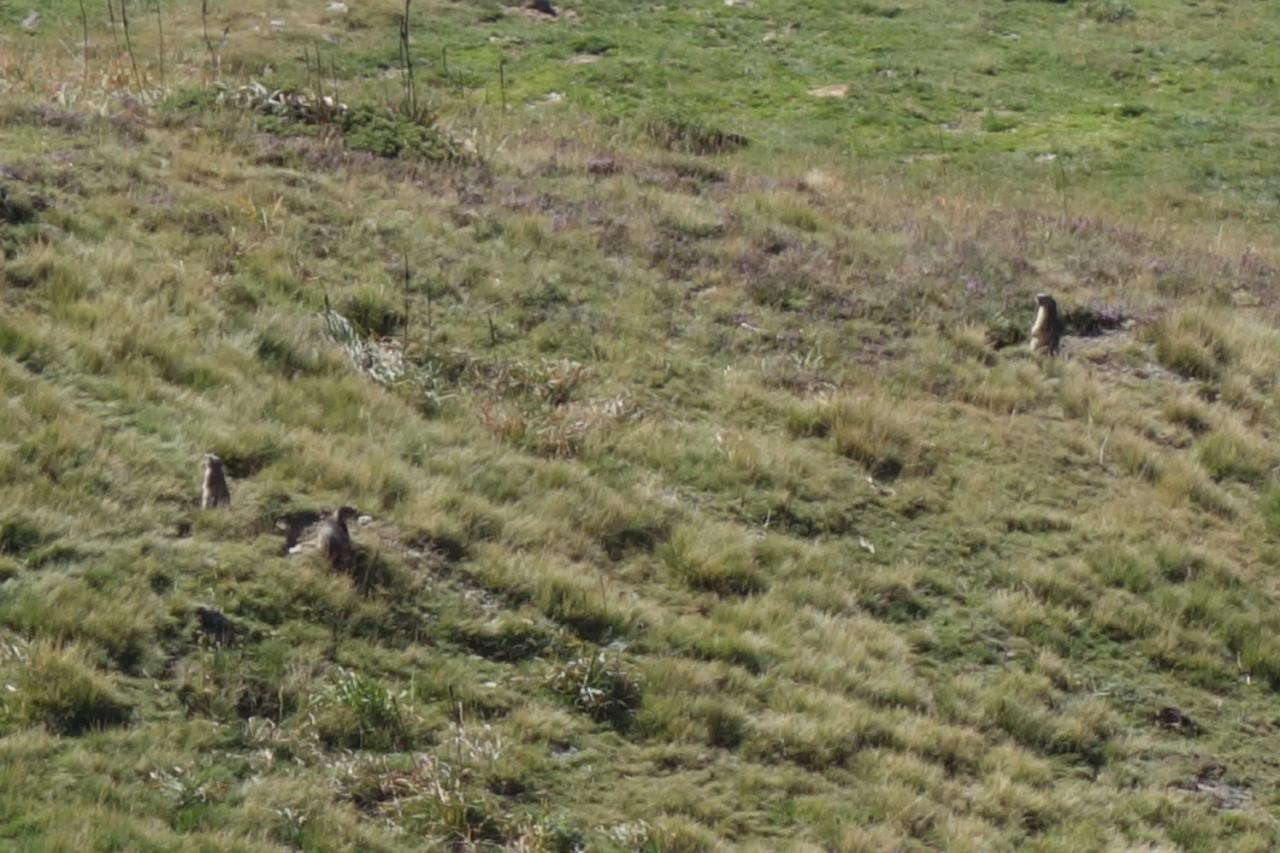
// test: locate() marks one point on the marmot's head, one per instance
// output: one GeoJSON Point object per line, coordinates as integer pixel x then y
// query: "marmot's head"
{"type": "Point", "coordinates": [212, 462]}
{"type": "Point", "coordinates": [1044, 300]}
{"type": "Point", "coordinates": [346, 512]}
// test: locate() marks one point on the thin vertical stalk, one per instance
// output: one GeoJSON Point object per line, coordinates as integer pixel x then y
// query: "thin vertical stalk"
{"type": "Point", "coordinates": [160, 29]}
{"type": "Point", "coordinates": [128, 42]}
{"type": "Point", "coordinates": [404, 259]}
{"type": "Point", "coordinates": [431, 318]}
{"type": "Point", "coordinates": [84, 27]}
{"type": "Point", "coordinates": [111, 19]}
{"type": "Point", "coordinates": [208, 42]}
{"type": "Point", "coordinates": [406, 59]}
{"type": "Point", "coordinates": [502, 81]}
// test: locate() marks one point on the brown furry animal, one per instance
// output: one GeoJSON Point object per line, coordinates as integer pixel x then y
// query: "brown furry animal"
{"type": "Point", "coordinates": [1046, 331]}
{"type": "Point", "coordinates": [334, 539]}
{"type": "Point", "coordinates": [215, 491]}
{"type": "Point", "coordinates": [215, 627]}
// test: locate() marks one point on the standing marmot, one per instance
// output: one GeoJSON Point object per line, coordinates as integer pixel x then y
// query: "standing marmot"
{"type": "Point", "coordinates": [333, 538]}
{"type": "Point", "coordinates": [1046, 331]}
{"type": "Point", "coordinates": [215, 491]}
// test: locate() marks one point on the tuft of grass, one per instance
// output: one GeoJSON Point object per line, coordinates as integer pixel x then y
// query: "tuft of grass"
{"type": "Point", "coordinates": [1110, 11]}
{"type": "Point", "coordinates": [1191, 346]}
{"type": "Point", "coordinates": [599, 685]}
{"type": "Point", "coordinates": [19, 535]}
{"type": "Point", "coordinates": [1190, 413]}
{"type": "Point", "coordinates": [505, 638]}
{"type": "Point", "coordinates": [689, 134]}
{"type": "Point", "coordinates": [1270, 508]}
{"type": "Point", "coordinates": [359, 712]}
{"type": "Point", "coordinates": [878, 433]}
{"type": "Point", "coordinates": [715, 561]}
{"type": "Point", "coordinates": [1232, 453]}
{"type": "Point", "coordinates": [18, 207]}
{"type": "Point", "coordinates": [702, 511]}
{"type": "Point", "coordinates": [57, 687]}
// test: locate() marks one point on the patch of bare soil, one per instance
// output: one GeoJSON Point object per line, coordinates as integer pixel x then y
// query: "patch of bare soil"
{"type": "Point", "coordinates": [1210, 783]}
{"type": "Point", "coordinates": [1121, 355]}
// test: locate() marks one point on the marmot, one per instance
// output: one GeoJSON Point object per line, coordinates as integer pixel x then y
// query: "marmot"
{"type": "Point", "coordinates": [215, 626]}
{"type": "Point", "coordinates": [333, 538]}
{"type": "Point", "coordinates": [1046, 331]}
{"type": "Point", "coordinates": [215, 492]}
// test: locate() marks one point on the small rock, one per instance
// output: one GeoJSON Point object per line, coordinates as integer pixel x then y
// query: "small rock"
{"type": "Point", "coordinates": [866, 545]}
{"type": "Point", "coordinates": [337, 8]}
{"type": "Point", "coordinates": [364, 519]}
{"type": "Point", "coordinates": [277, 23]}
{"type": "Point", "coordinates": [31, 21]}
{"type": "Point", "coordinates": [738, 4]}
{"type": "Point", "coordinates": [836, 90]}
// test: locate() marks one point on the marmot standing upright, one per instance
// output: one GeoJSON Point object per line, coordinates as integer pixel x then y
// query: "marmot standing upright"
{"type": "Point", "coordinates": [1046, 331]}
{"type": "Point", "coordinates": [215, 491]}
{"type": "Point", "coordinates": [333, 538]}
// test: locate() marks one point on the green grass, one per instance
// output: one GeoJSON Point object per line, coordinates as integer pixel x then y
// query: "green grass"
{"type": "Point", "coordinates": [715, 501]}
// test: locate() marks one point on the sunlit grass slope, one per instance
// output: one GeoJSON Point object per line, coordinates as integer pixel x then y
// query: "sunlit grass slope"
{"type": "Point", "coordinates": [713, 501]}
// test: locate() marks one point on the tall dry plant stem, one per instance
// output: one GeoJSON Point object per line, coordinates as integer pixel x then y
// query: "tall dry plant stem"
{"type": "Point", "coordinates": [128, 42]}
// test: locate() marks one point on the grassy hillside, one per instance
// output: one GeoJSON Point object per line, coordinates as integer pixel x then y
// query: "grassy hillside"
{"type": "Point", "coordinates": [713, 501]}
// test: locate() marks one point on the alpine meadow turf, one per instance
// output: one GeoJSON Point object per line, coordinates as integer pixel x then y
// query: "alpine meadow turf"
{"type": "Point", "coordinates": [674, 358]}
